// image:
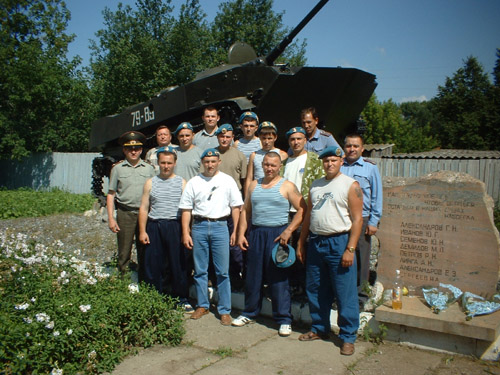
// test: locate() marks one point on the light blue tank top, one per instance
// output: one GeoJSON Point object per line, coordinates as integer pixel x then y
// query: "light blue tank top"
{"type": "Point", "coordinates": [269, 207]}
{"type": "Point", "coordinates": [247, 147]}
{"type": "Point", "coordinates": [258, 171]}
{"type": "Point", "coordinates": [165, 197]}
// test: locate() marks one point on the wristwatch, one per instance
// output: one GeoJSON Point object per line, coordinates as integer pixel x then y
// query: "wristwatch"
{"type": "Point", "coordinates": [351, 249]}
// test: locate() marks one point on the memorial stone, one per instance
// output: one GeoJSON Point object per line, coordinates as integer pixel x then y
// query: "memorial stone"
{"type": "Point", "coordinates": [439, 229]}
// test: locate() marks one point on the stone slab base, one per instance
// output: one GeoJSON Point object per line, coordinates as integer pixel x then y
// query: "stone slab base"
{"type": "Point", "coordinates": [447, 331]}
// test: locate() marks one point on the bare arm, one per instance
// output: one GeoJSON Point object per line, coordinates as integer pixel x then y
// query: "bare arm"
{"type": "Point", "coordinates": [290, 191]}
{"type": "Point", "coordinates": [355, 202]}
{"type": "Point", "coordinates": [110, 206]}
{"type": "Point", "coordinates": [301, 245]}
{"type": "Point", "coordinates": [143, 213]}
{"type": "Point", "coordinates": [187, 241]}
{"type": "Point", "coordinates": [246, 212]}
{"type": "Point", "coordinates": [235, 215]}
{"type": "Point", "coordinates": [249, 178]}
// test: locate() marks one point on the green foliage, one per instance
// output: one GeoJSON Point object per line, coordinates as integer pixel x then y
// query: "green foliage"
{"type": "Point", "coordinates": [224, 351]}
{"type": "Point", "coordinates": [466, 109]}
{"type": "Point", "coordinates": [44, 99]}
{"type": "Point", "coordinates": [376, 337]}
{"type": "Point", "coordinates": [386, 123]}
{"type": "Point", "coordinates": [60, 313]}
{"type": "Point", "coordinates": [30, 203]}
{"type": "Point", "coordinates": [496, 215]}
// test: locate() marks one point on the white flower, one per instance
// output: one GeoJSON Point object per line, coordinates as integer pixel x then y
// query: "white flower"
{"type": "Point", "coordinates": [13, 268]}
{"type": "Point", "coordinates": [92, 354]}
{"type": "Point", "coordinates": [84, 308]}
{"type": "Point", "coordinates": [33, 299]}
{"type": "Point", "coordinates": [69, 331]}
{"type": "Point", "coordinates": [42, 317]}
{"type": "Point", "coordinates": [133, 288]}
{"type": "Point", "coordinates": [24, 306]}
{"type": "Point", "coordinates": [56, 371]}
{"type": "Point", "coordinates": [28, 320]}
{"type": "Point", "coordinates": [28, 334]}
{"type": "Point", "coordinates": [56, 333]}
{"type": "Point", "coordinates": [49, 325]}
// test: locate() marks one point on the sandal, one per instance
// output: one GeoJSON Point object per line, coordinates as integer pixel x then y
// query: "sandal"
{"type": "Point", "coordinates": [311, 336]}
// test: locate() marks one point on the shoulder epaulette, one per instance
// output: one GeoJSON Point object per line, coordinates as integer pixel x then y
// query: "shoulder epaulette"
{"type": "Point", "coordinates": [369, 161]}
{"type": "Point", "coordinates": [324, 132]}
{"type": "Point", "coordinates": [118, 162]}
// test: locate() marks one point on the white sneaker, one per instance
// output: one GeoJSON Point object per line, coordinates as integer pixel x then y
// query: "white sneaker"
{"type": "Point", "coordinates": [285, 330]}
{"type": "Point", "coordinates": [241, 320]}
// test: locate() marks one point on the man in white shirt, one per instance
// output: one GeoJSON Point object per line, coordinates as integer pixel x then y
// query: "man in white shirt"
{"type": "Point", "coordinates": [209, 198]}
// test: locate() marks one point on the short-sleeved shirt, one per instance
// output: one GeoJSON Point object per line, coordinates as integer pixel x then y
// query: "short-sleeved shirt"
{"type": "Point", "coordinates": [368, 176]}
{"type": "Point", "coordinates": [233, 163]}
{"type": "Point", "coordinates": [128, 181]}
{"type": "Point", "coordinates": [204, 140]}
{"type": "Point", "coordinates": [330, 205]}
{"type": "Point", "coordinates": [211, 197]}
{"type": "Point", "coordinates": [188, 162]}
{"type": "Point", "coordinates": [320, 140]}
{"type": "Point", "coordinates": [152, 158]}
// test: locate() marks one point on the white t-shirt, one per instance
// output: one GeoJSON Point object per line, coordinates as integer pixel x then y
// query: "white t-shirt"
{"type": "Point", "coordinates": [294, 171]}
{"type": "Point", "coordinates": [330, 207]}
{"type": "Point", "coordinates": [211, 197]}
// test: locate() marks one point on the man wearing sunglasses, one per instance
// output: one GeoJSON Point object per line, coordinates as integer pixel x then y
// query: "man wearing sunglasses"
{"type": "Point", "coordinates": [126, 182]}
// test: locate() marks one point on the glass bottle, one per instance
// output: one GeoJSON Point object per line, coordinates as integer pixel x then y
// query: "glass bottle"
{"type": "Point", "coordinates": [397, 302]}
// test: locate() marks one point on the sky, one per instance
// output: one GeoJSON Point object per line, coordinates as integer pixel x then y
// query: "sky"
{"type": "Point", "coordinates": [411, 46]}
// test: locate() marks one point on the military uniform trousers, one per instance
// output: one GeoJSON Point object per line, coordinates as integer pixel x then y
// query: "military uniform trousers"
{"type": "Point", "coordinates": [129, 229]}
{"type": "Point", "coordinates": [262, 270]}
{"type": "Point", "coordinates": [166, 256]}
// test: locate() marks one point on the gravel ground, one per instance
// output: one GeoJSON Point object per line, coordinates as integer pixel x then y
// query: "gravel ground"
{"type": "Point", "coordinates": [89, 234]}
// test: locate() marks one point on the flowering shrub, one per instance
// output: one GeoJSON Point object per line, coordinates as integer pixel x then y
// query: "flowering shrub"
{"type": "Point", "coordinates": [59, 314]}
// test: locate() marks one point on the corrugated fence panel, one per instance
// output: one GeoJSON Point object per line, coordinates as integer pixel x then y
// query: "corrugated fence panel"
{"type": "Point", "coordinates": [67, 171]}
{"type": "Point", "coordinates": [486, 170]}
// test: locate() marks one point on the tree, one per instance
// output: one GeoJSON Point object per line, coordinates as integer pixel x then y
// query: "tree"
{"type": "Point", "coordinates": [130, 60]}
{"type": "Point", "coordinates": [39, 85]}
{"type": "Point", "coordinates": [464, 107]}
{"type": "Point", "coordinates": [255, 23]}
{"type": "Point", "coordinates": [386, 123]}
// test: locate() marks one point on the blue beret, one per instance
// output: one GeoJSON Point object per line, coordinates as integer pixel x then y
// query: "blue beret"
{"type": "Point", "coordinates": [283, 256]}
{"type": "Point", "coordinates": [267, 125]}
{"type": "Point", "coordinates": [331, 151]}
{"type": "Point", "coordinates": [248, 114]}
{"type": "Point", "coordinates": [295, 130]}
{"type": "Point", "coordinates": [184, 125]}
{"type": "Point", "coordinates": [169, 149]}
{"type": "Point", "coordinates": [210, 152]}
{"type": "Point", "coordinates": [223, 129]}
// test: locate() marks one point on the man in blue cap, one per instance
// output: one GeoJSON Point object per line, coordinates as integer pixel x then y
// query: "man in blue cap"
{"type": "Point", "coordinates": [333, 222]}
{"type": "Point", "coordinates": [366, 173]}
{"type": "Point", "coordinates": [266, 206]}
{"type": "Point", "coordinates": [188, 155]}
{"type": "Point", "coordinates": [209, 198]}
{"type": "Point", "coordinates": [249, 123]}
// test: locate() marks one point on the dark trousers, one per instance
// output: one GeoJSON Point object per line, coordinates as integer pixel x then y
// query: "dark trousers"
{"type": "Point", "coordinates": [261, 270]}
{"type": "Point", "coordinates": [129, 229]}
{"type": "Point", "coordinates": [363, 251]}
{"type": "Point", "coordinates": [165, 256]}
{"type": "Point", "coordinates": [236, 257]}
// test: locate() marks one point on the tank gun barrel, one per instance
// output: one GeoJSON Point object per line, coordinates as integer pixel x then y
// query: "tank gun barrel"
{"type": "Point", "coordinates": [278, 50]}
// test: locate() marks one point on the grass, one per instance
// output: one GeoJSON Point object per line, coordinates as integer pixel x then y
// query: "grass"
{"type": "Point", "coordinates": [30, 203]}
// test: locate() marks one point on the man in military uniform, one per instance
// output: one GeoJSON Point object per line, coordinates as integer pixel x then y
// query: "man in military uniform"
{"type": "Point", "coordinates": [317, 140]}
{"type": "Point", "coordinates": [366, 173]}
{"type": "Point", "coordinates": [126, 183]}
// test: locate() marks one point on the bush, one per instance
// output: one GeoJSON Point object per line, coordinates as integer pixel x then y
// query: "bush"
{"type": "Point", "coordinates": [30, 203]}
{"type": "Point", "coordinates": [59, 314]}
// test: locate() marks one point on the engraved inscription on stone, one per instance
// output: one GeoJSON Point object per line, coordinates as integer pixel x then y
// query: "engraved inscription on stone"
{"type": "Point", "coordinates": [439, 228]}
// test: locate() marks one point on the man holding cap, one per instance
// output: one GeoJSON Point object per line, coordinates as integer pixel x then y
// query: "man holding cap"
{"type": "Point", "coordinates": [188, 155]}
{"type": "Point", "coordinates": [126, 182]}
{"type": "Point", "coordinates": [209, 198]}
{"type": "Point", "coordinates": [267, 203]}
{"type": "Point", "coordinates": [333, 221]}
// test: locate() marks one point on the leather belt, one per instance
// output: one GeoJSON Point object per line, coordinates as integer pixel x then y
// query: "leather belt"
{"type": "Point", "coordinates": [202, 218]}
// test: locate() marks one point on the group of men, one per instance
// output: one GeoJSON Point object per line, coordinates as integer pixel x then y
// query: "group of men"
{"type": "Point", "coordinates": [231, 203]}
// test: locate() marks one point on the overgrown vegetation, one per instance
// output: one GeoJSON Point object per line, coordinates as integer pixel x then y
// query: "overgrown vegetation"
{"type": "Point", "coordinates": [496, 215]}
{"type": "Point", "coordinates": [29, 203]}
{"type": "Point", "coordinates": [59, 314]}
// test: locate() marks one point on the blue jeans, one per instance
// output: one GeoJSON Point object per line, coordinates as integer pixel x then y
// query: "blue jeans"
{"type": "Point", "coordinates": [211, 236]}
{"type": "Point", "coordinates": [326, 279]}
